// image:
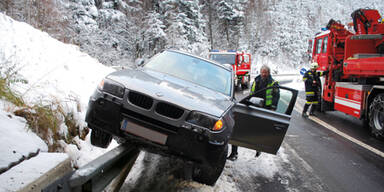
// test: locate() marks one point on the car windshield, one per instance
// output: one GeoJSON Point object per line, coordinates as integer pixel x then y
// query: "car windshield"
{"type": "Point", "coordinates": [223, 58]}
{"type": "Point", "coordinates": [192, 69]}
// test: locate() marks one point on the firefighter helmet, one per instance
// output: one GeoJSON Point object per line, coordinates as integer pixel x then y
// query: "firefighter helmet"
{"type": "Point", "coordinates": [314, 65]}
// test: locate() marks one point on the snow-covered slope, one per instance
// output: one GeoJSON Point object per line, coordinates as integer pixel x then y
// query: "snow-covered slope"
{"type": "Point", "coordinates": [56, 72]}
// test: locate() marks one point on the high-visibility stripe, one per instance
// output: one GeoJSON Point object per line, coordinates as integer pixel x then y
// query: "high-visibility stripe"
{"type": "Point", "coordinates": [312, 102]}
{"type": "Point", "coordinates": [304, 79]}
{"type": "Point", "coordinates": [309, 93]}
{"type": "Point", "coordinates": [348, 102]}
{"type": "Point", "coordinates": [253, 88]}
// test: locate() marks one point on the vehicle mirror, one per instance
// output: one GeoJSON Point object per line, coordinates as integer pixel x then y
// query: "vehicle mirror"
{"type": "Point", "coordinates": [139, 62]}
{"type": "Point", "coordinates": [256, 101]}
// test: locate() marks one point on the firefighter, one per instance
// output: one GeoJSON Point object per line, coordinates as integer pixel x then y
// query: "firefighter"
{"type": "Point", "coordinates": [270, 96]}
{"type": "Point", "coordinates": [312, 88]}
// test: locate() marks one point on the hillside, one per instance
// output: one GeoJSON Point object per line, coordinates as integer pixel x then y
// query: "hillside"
{"type": "Point", "coordinates": [116, 32]}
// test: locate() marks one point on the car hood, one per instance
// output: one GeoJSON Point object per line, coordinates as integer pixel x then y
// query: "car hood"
{"type": "Point", "coordinates": [171, 89]}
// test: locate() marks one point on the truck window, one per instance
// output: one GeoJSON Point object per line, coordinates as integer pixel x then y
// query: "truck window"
{"type": "Point", "coordinates": [224, 58]}
{"type": "Point", "coordinates": [246, 58]}
{"type": "Point", "coordinates": [318, 45]}
{"type": "Point", "coordinates": [324, 50]}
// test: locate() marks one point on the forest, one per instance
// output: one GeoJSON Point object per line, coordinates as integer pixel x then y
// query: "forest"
{"type": "Point", "coordinates": [117, 32]}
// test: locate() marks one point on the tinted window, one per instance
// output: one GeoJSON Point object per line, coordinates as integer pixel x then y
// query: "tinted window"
{"type": "Point", "coordinates": [318, 45]}
{"type": "Point", "coordinates": [192, 69]}
{"type": "Point", "coordinates": [325, 45]}
{"type": "Point", "coordinates": [223, 58]}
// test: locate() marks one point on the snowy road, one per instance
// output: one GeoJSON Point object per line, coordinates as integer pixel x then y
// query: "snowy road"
{"type": "Point", "coordinates": [310, 159]}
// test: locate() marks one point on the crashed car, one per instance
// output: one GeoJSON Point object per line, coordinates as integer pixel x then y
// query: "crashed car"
{"type": "Point", "coordinates": [182, 105]}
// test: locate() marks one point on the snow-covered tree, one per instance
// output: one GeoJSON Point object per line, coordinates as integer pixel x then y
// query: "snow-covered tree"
{"type": "Point", "coordinates": [184, 25]}
{"type": "Point", "coordinates": [154, 37]}
{"type": "Point", "coordinates": [230, 19]}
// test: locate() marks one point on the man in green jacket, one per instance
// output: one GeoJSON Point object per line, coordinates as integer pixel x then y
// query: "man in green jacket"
{"type": "Point", "coordinates": [270, 96]}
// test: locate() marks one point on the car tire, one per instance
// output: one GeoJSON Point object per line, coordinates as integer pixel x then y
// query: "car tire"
{"type": "Point", "coordinates": [376, 114]}
{"type": "Point", "coordinates": [209, 173]}
{"type": "Point", "coordinates": [100, 138]}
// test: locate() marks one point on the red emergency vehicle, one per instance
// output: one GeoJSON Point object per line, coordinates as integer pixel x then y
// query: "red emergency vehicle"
{"type": "Point", "coordinates": [355, 61]}
{"type": "Point", "coordinates": [241, 64]}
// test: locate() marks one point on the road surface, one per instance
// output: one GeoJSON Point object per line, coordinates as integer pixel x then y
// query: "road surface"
{"type": "Point", "coordinates": [312, 158]}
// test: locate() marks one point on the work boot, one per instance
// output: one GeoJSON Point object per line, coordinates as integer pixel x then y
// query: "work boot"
{"type": "Point", "coordinates": [258, 153]}
{"type": "Point", "coordinates": [232, 156]}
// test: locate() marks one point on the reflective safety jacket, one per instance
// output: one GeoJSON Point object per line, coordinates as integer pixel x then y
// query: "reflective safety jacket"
{"type": "Point", "coordinates": [311, 88]}
{"type": "Point", "coordinates": [270, 96]}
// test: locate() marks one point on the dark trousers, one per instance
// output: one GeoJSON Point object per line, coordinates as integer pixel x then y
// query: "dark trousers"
{"type": "Point", "coordinates": [234, 149]}
{"type": "Point", "coordinates": [311, 100]}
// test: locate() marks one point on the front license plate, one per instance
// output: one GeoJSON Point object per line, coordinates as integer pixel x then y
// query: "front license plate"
{"type": "Point", "coordinates": [141, 131]}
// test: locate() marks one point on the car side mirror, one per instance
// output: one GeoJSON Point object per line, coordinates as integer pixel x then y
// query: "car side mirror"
{"type": "Point", "coordinates": [256, 101]}
{"type": "Point", "coordinates": [139, 62]}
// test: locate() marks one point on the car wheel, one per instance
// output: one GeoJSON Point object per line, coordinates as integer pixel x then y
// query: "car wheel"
{"type": "Point", "coordinates": [100, 138]}
{"type": "Point", "coordinates": [209, 173]}
{"type": "Point", "coordinates": [376, 116]}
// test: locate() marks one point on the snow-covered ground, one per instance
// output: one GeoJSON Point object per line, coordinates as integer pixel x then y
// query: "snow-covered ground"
{"type": "Point", "coordinates": [55, 72]}
{"type": "Point", "coordinates": [60, 72]}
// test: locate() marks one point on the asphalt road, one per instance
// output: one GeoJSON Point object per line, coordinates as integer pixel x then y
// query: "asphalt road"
{"type": "Point", "coordinates": [330, 161]}
{"type": "Point", "coordinates": [312, 158]}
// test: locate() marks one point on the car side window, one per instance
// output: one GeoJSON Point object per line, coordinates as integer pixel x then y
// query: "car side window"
{"type": "Point", "coordinates": [278, 99]}
{"type": "Point", "coordinates": [283, 102]}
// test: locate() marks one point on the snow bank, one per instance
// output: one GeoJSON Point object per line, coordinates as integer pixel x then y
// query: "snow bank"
{"type": "Point", "coordinates": [16, 141]}
{"type": "Point", "coordinates": [56, 72]}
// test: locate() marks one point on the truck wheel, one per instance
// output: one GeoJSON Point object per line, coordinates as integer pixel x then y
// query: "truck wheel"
{"type": "Point", "coordinates": [208, 173]}
{"type": "Point", "coordinates": [100, 138]}
{"type": "Point", "coordinates": [376, 116]}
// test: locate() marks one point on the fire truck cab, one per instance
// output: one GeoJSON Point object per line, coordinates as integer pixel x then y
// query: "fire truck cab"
{"type": "Point", "coordinates": [355, 61]}
{"type": "Point", "coordinates": [241, 64]}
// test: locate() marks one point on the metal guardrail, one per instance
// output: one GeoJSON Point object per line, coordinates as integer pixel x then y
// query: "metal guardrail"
{"type": "Point", "coordinates": [110, 170]}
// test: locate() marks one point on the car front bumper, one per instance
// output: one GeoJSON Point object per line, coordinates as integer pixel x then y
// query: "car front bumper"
{"type": "Point", "coordinates": [108, 114]}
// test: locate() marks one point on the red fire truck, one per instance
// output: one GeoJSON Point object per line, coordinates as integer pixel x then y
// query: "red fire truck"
{"type": "Point", "coordinates": [241, 64]}
{"type": "Point", "coordinates": [355, 61]}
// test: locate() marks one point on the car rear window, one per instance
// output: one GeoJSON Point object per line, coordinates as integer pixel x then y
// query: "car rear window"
{"type": "Point", "coordinates": [192, 69]}
{"type": "Point", "coordinates": [224, 58]}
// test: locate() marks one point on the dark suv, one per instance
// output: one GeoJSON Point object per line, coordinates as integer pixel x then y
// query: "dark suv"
{"type": "Point", "coordinates": [183, 105]}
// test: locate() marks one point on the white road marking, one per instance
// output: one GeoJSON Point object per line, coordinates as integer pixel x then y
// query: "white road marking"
{"type": "Point", "coordinates": [299, 109]}
{"type": "Point", "coordinates": [303, 162]}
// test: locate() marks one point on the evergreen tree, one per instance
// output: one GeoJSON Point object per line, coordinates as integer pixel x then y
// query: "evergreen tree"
{"type": "Point", "coordinates": [231, 17]}
{"type": "Point", "coordinates": [154, 37]}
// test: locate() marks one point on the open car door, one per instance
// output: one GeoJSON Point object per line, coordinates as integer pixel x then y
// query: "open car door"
{"type": "Point", "coordinates": [260, 128]}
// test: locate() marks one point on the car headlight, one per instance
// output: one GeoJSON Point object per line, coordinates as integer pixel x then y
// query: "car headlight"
{"type": "Point", "coordinates": [112, 87]}
{"type": "Point", "coordinates": [204, 120]}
